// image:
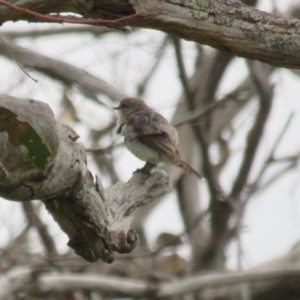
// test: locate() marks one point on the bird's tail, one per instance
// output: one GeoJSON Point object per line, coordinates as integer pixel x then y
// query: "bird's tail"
{"type": "Point", "coordinates": [186, 167]}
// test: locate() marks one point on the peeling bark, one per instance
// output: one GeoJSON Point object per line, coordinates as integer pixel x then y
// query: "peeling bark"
{"type": "Point", "coordinates": [97, 220]}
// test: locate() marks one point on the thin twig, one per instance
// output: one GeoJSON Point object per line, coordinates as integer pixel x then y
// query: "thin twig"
{"type": "Point", "coordinates": [270, 157]}
{"type": "Point", "coordinates": [255, 187]}
{"type": "Point", "coordinates": [182, 72]}
{"type": "Point", "coordinates": [289, 158]}
{"type": "Point", "coordinates": [14, 58]}
{"type": "Point", "coordinates": [281, 135]}
{"type": "Point", "coordinates": [255, 134]}
{"type": "Point", "coordinates": [141, 87]}
{"type": "Point", "coordinates": [104, 150]}
{"type": "Point", "coordinates": [35, 221]}
{"type": "Point", "coordinates": [95, 31]}
{"type": "Point", "coordinates": [276, 176]}
{"type": "Point", "coordinates": [98, 134]}
{"type": "Point", "coordinates": [197, 114]}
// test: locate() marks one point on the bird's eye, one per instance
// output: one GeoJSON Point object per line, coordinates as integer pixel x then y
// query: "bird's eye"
{"type": "Point", "coordinates": [124, 105]}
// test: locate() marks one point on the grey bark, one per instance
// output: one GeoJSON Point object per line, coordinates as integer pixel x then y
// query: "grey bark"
{"type": "Point", "coordinates": [226, 25]}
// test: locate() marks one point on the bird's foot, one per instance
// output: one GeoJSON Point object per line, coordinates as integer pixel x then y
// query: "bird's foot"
{"type": "Point", "coordinates": [147, 168]}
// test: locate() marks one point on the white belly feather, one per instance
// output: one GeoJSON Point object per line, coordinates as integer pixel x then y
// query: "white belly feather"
{"type": "Point", "coordinates": [138, 149]}
{"type": "Point", "coordinates": [142, 151]}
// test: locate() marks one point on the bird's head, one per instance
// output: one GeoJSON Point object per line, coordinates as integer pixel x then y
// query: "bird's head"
{"type": "Point", "coordinates": [130, 105]}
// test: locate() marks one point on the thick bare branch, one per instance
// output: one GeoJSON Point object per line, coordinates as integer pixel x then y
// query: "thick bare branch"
{"type": "Point", "coordinates": [89, 84]}
{"type": "Point", "coordinates": [40, 159]}
{"type": "Point", "coordinates": [229, 25]}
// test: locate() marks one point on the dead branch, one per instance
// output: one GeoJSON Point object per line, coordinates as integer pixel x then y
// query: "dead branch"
{"type": "Point", "coordinates": [90, 85]}
{"type": "Point", "coordinates": [40, 159]}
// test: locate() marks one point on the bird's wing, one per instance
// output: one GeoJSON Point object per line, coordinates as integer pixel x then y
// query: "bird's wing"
{"type": "Point", "coordinates": [154, 130]}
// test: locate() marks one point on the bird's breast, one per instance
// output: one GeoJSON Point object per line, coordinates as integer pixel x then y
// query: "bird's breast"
{"type": "Point", "coordinates": [126, 130]}
{"type": "Point", "coordinates": [142, 151]}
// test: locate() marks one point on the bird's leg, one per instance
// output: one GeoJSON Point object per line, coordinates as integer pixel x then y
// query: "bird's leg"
{"type": "Point", "coordinates": [147, 168]}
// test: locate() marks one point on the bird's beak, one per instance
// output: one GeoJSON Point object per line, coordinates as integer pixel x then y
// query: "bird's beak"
{"type": "Point", "coordinates": [116, 108]}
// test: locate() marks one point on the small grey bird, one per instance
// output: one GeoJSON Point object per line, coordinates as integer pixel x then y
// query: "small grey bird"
{"type": "Point", "coordinates": [149, 136]}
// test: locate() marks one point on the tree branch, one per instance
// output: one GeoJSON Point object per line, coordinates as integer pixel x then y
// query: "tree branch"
{"type": "Point", "coordinates": [255, 185]}
{"type": "Point", "coordinates": [229, 25]}
{"type": "Point", "coordinates": [90, 85]}
{"type": "Point", "coordinates": [25, 279]}
{"type": "Point", "coordinates": [35, 221]}
{"type": "Point", "coordinates": [93, 30]}
{"type": "Point", "coordinates": [40, 159]}
{"type": "Point", "coordinates": [141, 87]}
{"type": "Point", "coordinates": [202, 89]}
{"type": "Point", "coordinates": [255, 135]}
